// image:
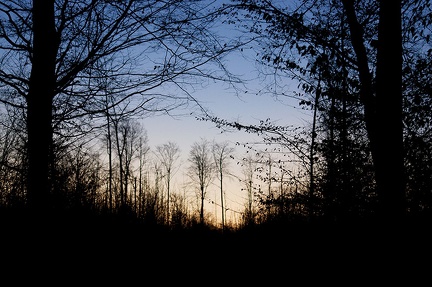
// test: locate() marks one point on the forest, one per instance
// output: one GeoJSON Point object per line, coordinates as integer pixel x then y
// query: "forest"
{"type": "Point", "coordinates": [77, 75]}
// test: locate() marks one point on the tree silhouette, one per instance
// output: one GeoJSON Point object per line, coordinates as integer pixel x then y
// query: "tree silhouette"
{"type": "Point", "coordinates": [73, 72]}
{"type": "Point", "coordinates": [126, 138]}
{"type": "Point", "coordinates": [221, 154]}
{"type": "Point", "coordinates": [309, 41]}
{"type": "Point", "coordinates": [167, 155]}
{"type": "Point", "coordinates": [248, 169]}
{"type": "Point", "coordinates": [383, 107]}
{"type": "Point", "coordinates": [41, 91]}
{"type": "Point", "coordinates": [201, 170]}
{"type": "Point", "coordinates": [73, 55]}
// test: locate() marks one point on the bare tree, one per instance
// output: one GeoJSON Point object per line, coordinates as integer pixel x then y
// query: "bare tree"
{"type": "Point", "coordinates": [54, 56]}
{"type": "Point", "coordinates": [249, 167]}
{"type": "Point", "coordinates": [79, 176]}
{"type": "Point", "coordinates": [126, 135]}
{"type": "Point", "coordinates": [201, 170]}
{"type": "Point", "coordinates": [12, 160]}
{"type": "Point", "coordinates": [143, 150]}
{"type": "Point", "coordinates": [221, 155]}
{"type": "Point", "coordinates": [167, 155]}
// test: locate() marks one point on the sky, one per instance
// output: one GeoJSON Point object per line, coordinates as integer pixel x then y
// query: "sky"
{"type": "Point", "coordinates": [247, 108]}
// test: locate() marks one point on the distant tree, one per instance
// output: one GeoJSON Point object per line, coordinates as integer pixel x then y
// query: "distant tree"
{"type": "Point", "coordinates": [143, 151]}
{"type": "Point", "coordinates": [221, 154]}
{"type": "Point", "coordinates": [12, 160]}
{"type": "Point", "coordinates": [201, 170]}
{"type": "Point", "coordinates": [126, 139]}
{"type": "Point", "coordinates": [78, 179]}
{"type": "Point", "coordinates": [167, 155]}
{"type": "Point", "coordinates": [249, 167]}
{"type": "Point", "coordinates": [179, 213]}
{"type": "Point", "coordinates": [59, 59]}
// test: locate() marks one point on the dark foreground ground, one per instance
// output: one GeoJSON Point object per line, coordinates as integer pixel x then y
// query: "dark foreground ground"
{"type": "Point", "coordinates": [73, 248]}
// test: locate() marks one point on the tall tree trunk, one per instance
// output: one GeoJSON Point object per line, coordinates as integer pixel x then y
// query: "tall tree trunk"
{"type": "Point", "coordinates": [221, 195]}
{"type": "Point", "coordinates": [312, 153]}
{"type": "Point", "coordinates": [168, 183]}
{"type": "Point", "coordinates": [39, 104]}
{"type": "Point", "coordinates": [389, 156]}
{"type": "Point", "coordinates": [383, 112]}
{"type": "Point", "coordinates": [110, 123]}
{"type": "Point", "coordinates": [202, 206]}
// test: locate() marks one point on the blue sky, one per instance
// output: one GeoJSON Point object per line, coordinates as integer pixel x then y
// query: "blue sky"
{"type": "Point", "coordinates": [247, 108]}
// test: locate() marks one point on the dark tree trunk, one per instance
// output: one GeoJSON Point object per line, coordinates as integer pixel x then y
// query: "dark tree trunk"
{"type": "Point", "coordinates": [383, 112]}
{"type": "Point", "coordinates": [202, 207]}
{"type": "Point", "coordinates": [389, 143]}
{"type": "Point", "coordinates": [39, 104]}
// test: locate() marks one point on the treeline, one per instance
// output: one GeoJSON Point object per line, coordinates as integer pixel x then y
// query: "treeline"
{"type": "Point", "coordinates": [74, 76]}
{"type": "Point", "coordinates": [114, 173]}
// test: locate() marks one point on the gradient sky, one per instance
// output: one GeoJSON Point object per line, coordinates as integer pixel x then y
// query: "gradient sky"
{"type": "Point", "coordinates": [248, 109]}
{"type": "Point", "coordinates": [245, 107]}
